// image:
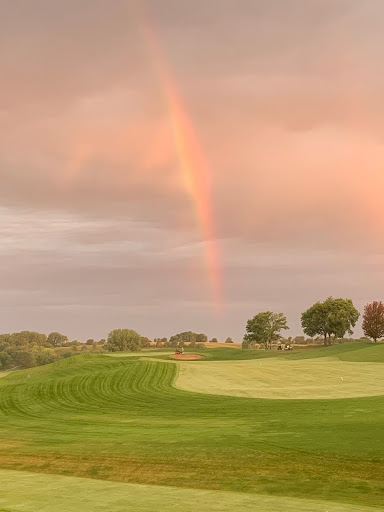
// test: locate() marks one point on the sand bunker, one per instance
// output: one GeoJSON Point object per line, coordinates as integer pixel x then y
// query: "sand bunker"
{"type": "Point", "coordinates": [187, 357]}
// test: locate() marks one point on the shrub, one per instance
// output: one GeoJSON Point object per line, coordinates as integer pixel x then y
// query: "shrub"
{"type": "Point", "coordinates": [47, 356]}
{"type": "Point", "coordinates": [24, 359]}
{"type": "Point", "coordinates": [5, 361]}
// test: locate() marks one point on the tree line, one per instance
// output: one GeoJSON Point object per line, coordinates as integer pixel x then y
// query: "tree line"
{"type": "Point", "coordinates": [331, 319]}
{"type": "Point", "coordinates": [27, 349]}
{"type": "Point", "coordinates": [127, 339]}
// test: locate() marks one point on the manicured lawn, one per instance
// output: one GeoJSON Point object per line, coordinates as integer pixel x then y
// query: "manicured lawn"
{"type": "Point", "coordinates": [283, 378]}
{"type": "Point", "coordinates": [122, 419]}
{"type": "Point", "coordinates": [31, 492]}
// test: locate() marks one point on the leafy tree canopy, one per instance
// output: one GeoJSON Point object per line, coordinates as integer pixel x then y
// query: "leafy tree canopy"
{"type": "Point", "coordinates": [55, 339]}
{"type": "Point", "coordinates": [123, 339]}
{"type": "Point", "coordinates": [373, 320]}
{"type": "Point", "coordinates": [332, 317]}
{"type": "Point", "coordinates": [145, 342]}
{"type": "Point", "coordinates": [265, 328]}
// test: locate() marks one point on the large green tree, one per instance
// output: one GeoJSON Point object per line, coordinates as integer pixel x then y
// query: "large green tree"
{"type": "Point", "coordinates": [332, 317]}
{"type": "Point", "coordinates": [120, 340]}
{"type": "Point", "coordinates": [265, 328]}
{"type": "Point", "coordinates": [373, 320]}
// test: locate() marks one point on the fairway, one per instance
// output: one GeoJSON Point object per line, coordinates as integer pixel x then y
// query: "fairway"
{"type": "Point", "coordinates": [123, 422]}
{"type": "Point", "coordinates": [22, 492]}
{"type": "Point", "coordinates": [142, 353]}
{"type": "Point", "coordinates": [283, 379]}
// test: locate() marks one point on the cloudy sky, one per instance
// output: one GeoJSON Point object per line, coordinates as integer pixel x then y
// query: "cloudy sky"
{"type": "Point", "coordinates": [100, 228]}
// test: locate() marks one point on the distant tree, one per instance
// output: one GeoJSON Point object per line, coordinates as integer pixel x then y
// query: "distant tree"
{"type": "Point", "coordinates": [333, 317]}
{"type": "Point", "coordinates": [174, 341]}
{"type": "Point", "coordinates": [373, 320]}
{"type": "Point", "coordinates": [55, 339]}
{"type": "Point", "coordinates": [5, 340]}
{"type": "Point", "coordinates": [158, 342]}
{"type": "Point", "coordinates": [46, 356]}
{"type": "Point", "coordinates": [101, 342]}
{"type": "Point", "coordinates": [265, 328]}
{"type": "Point", "coordinates": [213, 340]}
{"type": "Point", "coordinates": [187, 336]}
{"type": "Point", "coordinates": [145, 342]}
{"type": "Point", "coordinates": [299, 340]}
{"type": "Point", "coordinates": [5, 361]}
{"type": "Point", "coordinates": [123, 339]}
{"type": "Point", "coordinates": [24, 359]}
{"type": "Point", "coordinates": [229, 340]}
{"type": "Point", "coordinates": [200, 345]}
{"type": "Point", "coordinates": [27, 338]}
{"type": "Point", "coordinates": [90, 342]}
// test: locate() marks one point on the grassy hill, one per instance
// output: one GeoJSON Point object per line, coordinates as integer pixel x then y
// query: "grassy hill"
{"type": "Point", "coordinates": [123, 419]}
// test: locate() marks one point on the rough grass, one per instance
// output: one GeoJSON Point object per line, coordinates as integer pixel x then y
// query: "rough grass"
{"type": "Point", "coordinates": [122, 419]}
{"type": "Point", "coordinates": [283, 378]}
{"type": "Point", "coordinates": [22, 492]}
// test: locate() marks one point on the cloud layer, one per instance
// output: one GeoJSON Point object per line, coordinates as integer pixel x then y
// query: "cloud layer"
{"type": "Point", "coordinates": [98, 228]}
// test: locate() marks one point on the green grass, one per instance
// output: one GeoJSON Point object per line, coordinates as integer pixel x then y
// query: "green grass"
{"type": "Point", "coordinates": [22, 492]}
{"type": "Point", "coordinates": [122, 419]}
{"type": "Point", "coordinates": [283, 378]}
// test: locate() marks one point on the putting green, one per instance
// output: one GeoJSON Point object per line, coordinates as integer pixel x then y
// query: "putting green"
{"type": "Point", "coordinates": [278, 379]}
{"type": "Point", "coordinates": [30, 492]}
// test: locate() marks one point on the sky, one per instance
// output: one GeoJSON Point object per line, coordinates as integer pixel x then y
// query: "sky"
{"type": "Point", "coordinates": [168, 165]}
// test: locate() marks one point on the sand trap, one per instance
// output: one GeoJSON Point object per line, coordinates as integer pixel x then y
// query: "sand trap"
{"type": "Point", "coordinates": [187, 357]}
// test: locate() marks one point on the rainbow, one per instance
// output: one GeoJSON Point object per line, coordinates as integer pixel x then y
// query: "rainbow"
{"type": "Point", "coordinates": [193, 164]}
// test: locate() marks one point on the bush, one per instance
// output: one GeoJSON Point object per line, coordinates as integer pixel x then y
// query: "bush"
{"type": "Point", "coordinates": [24, 359]}
{"type": "Point", "coordinates": [67, 353]}
{"type": "Point", "coordinates": [5, 361]}
{"type": "Point", "coordinates": [145, 342]}
{"type": "Point", "coordinates": [47, 356]}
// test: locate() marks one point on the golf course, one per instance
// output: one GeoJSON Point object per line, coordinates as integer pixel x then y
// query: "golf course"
{"type": "Point", "coordinates": [237, 430]}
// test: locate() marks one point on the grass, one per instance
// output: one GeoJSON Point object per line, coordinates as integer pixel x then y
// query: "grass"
{"type": "Point", "coordinates": [286, 379]}
{"type": "Point", "coordinates": [21, 492]}
{"type": "Point", "coordinates": [122, 419]}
